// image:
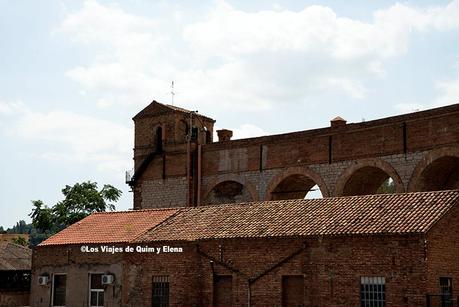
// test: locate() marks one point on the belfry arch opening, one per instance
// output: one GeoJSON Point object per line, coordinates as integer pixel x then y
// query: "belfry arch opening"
{"type": "Point", "coordinates": [227, 192]}
{"type": "Point", "coordinates": [441, 174]}
{"type": "Point", "coordinates": [369, 180]}
{"type": "Point", "coordinates": [296, 187]}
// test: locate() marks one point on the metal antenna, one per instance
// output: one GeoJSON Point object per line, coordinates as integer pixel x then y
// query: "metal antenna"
{"type": "Point", "coordinates": [172, 92]}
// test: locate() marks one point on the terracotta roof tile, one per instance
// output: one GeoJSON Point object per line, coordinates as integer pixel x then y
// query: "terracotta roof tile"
{"type": "Point", "coordinates": [157, 108]}
{"type": "Point", "coordinates": [372, 214]}
{"type": "Point", "coordinates": [14, 257]}
{"type": "Point", "coordinates": [110, 227]}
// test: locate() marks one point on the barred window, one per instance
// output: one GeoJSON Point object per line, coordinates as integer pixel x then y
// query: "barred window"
{"type": "Point", "coordinates": [160, 297]}
{"type": "Point", "coordinates": [446, 288]}
{"type": "Point", "coordinates": [373, 291]}
{"type": "Point", "coordinates": [96, 290]}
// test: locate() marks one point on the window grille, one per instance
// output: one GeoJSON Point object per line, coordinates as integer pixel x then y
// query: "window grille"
{"type": "Point", "coordinates": [446, 289]}
{"type": "Point", "coordinates": [373, 291]}
{"type": "Point", "coordinates": [160, 297]}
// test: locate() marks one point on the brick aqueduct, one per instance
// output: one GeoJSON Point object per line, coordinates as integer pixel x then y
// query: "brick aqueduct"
{"type": "Point", "coordinates": [177, 163]}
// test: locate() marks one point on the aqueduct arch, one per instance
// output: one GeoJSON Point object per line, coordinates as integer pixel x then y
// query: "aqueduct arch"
{"type": "Point", "coordinates": [294, 183]}
{"type": "Point", "coordinates": [438, 170]}
{"type": "Point", "coordinates": [366, 177]}
{"type": "Point", "coordinates": [231, 189]}
{"type": "Point", "coordinates": [341, 159]}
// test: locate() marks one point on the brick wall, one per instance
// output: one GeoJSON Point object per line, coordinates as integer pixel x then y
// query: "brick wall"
{"type": "Point", "coordinates": [14, 298]}
{"type": "Point", "coordinates": [442, 248]}
{"type": "Point", "coordinates": [331, 267]}
{"type": "Point", "coordinates": [171, 192]}
{"type": "Point", "coordinates": [396, 145]}
{"type": "Point", "coordinates": [77, 265]}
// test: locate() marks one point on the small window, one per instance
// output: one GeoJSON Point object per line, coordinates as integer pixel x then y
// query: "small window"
{"type": "Point", "coordinates": [160, 297]}
{"type": "Point", "coordinates": [373, 291]}
{"type": "Point", "coordinates": [59, 289]}
{"type": "Point", "coordinates": [96, 290]}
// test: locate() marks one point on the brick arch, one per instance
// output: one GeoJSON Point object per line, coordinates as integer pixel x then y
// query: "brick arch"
{"type": "Point", "coordinates": [444, 159]}
{"type": "Point", "coordinates": [230, 178]}
{"type": "Point", "coordinates": [369, 168]}
{"type": "Point", "coordinates": [297, 171]}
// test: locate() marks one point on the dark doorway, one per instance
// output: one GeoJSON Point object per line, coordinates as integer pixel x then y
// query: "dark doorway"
{"type": "Point", "coordinates": [223, 290]}
{"type": "Point", "coordinates": [292, 291]}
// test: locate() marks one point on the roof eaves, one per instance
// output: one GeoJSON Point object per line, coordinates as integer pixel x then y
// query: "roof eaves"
{"type": "Point", "coordinates": [439, 218]}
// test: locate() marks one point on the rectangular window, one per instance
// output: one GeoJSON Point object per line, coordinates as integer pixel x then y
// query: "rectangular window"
{"type": "Point", "coordinates": [372, 291]}
{"type": "Point", "coordinates": [293, 290]}
{"type": "Point", "coordinates": [223, 290]}
{"type": "Point", "coordinates": [160, 295]}
{"type": "Point", "coordinates": [446, 288]}
{"type": "Point", "coordinates": [96, 290]}
{"type": "Point", "coordinates": [59, 289]}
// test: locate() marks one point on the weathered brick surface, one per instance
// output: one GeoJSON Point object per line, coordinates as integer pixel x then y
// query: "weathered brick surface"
{"type": "Point", "coordinates": [331, 267]}
{"type": "Point", "coordinates": [14, 298]}
{"type": "Point", "coordinates": [159, 193]}
{"type": "Point", "coordinates": [70, 260]}
{"type": "Point", "coordinates": [398, 146]}
{"type": "Point", "coordinates": [442, 253]}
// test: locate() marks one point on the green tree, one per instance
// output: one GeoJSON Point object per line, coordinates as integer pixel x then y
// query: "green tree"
{"type": "Point", "coordinates": [20, 227]}
{"type": "Point", "coordinates": [387, 187]}
{"type": "Point", "coordinates": [20, 241]}
{"type": "Point", "coordinates": [80, 200]}
{"type": "Point", "coordinates": [42, 216]}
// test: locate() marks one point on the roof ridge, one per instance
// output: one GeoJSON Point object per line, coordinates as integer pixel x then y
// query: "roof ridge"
{"type": "Point", "coordinates": [328, 199]}
{"type": "Point", "coordinates": [179, 211]}
{"type": "Point", "coordinates": [137, 210]}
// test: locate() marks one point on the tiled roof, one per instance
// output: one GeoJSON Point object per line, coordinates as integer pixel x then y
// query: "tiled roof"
{"type": "Point", "coordinates": [14, 257]}
{"type": "Point", "coordinates": [157, 108]}
{"type": "Point", "coordinates": [110, 227]}
{"type": "Point", "coordinates": [372, 214]}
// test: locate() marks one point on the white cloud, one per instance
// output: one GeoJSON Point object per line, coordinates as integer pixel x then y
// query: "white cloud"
{"type": "Point", "coordinates": [315, 29]}
{"type": "Point", "coordinates": [408, 107]}
{"type": "Point", "coordinates": [241, 60]}
{"type": "Point", "coordinates": [449, 92]}
{"type": "Point", "coordinates": [243, 131]}
{"type": "Point", "coordinates": [71, 137]}
{"type": "Point", "coordinates": [248, 131]}
{"type": "Point", "coordinates": [11, 108]}
{"type": "Point", "coordinates": [353, 88]}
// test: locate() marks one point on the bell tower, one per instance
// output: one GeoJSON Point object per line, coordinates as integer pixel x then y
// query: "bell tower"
{"type": "Point", "coordinates": [165, 134]}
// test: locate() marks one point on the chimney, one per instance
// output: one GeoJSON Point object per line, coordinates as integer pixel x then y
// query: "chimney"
{"type": "Point", "coordinates": [337, 122]}
{"type": "Point", "coordinates": [224, 135]}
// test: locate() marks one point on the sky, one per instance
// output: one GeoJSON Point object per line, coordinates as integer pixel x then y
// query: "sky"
{"type": "Point", "coordinates": [74, 73]}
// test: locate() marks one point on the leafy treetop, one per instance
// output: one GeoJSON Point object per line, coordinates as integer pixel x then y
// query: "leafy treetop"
{"type": "Point", "coordinates": [80, 200]}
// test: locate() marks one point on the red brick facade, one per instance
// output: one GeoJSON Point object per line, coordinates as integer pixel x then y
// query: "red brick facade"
{"type": "Point", "coordinates": [416, 150]}
{"type": "Point", "coordinates": [330, 267]}
{"type": "Point", "coordinates": [407, 240]}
